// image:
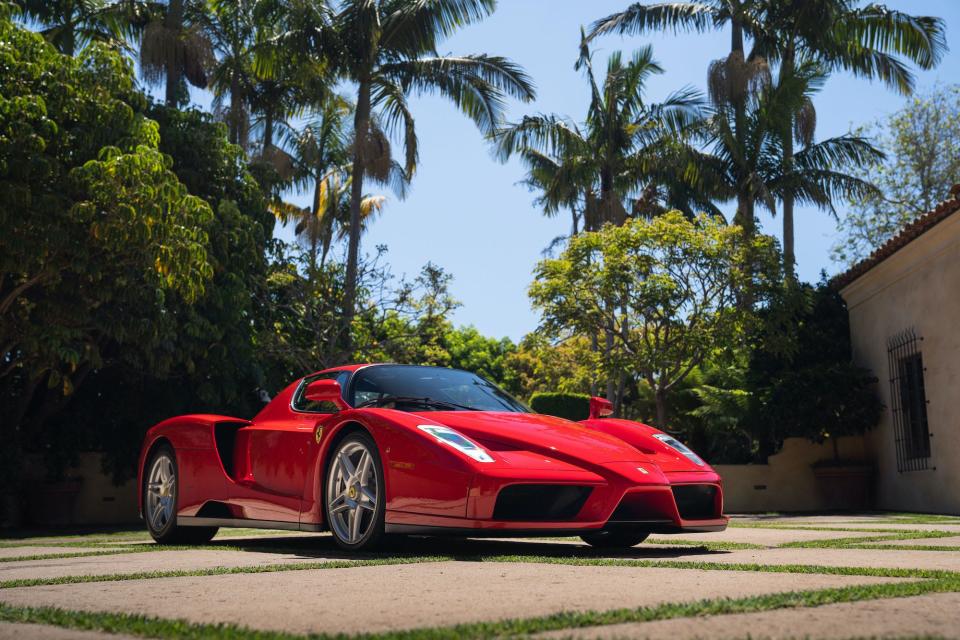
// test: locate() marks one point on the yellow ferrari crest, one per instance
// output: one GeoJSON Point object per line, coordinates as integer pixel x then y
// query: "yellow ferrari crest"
{"type": "Point", "coordinates": [319, 434]}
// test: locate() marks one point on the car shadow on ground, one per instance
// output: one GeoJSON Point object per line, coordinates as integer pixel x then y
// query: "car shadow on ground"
{"type": "Point", "coordinates": [462, 549]}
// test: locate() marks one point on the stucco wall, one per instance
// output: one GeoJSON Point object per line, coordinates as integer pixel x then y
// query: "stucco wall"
{"type": "Point", "coordinates": [917, 287]}
{"type": "Point", "coordinates": [786, 482]}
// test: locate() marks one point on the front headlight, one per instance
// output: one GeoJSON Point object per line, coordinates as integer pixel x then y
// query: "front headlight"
{"type": "Point", "coordinates": [673, 443]}
{"type": "Point", "coordinates": [458, 441]}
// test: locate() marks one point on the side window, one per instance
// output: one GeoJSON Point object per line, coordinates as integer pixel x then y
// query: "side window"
{"type": "Point", "coordinates": [302, 404]}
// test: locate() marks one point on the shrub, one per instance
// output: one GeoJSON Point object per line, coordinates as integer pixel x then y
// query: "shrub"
{"type": "Point", "coordinates": [572, 406]}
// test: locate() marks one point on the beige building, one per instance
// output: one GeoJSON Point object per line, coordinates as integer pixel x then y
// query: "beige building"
{"type": "Point", "coordinates": [904, 303]}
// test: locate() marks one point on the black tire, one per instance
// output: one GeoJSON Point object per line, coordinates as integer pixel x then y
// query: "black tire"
{"type": "Point", "coordinates": [373, 519]}
{"type": "Point", "coordinates": [163, 526]}
{"type": "Point", "coordinates": [614, 539]}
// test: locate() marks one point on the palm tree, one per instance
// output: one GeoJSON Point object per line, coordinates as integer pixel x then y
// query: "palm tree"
{"type": "Point", "coordinates": [868, 41]}
{"type": "Point", "coordinates": [232, 28]}
{"type": "Point", "coordinates": [731, 79]}
{"type": "Point", "coordinates": [746, 164]}
{"type": "Point", "coordinates": [865, 41]}
{"type": "Point", "coordinates": [175, 48]}
{"type": "Point", "coordinates": [388, 49]}
{"type": "Point", "coordinates": [71, 24]}
{"type": "Point", "coordinates": [320, 161]}
{"type": "Point", "coordinates": [319, 155]}
{"type": "Point", "coordinates": [624, 148]}
{"type": "Point", "coordinates": [625, 151]}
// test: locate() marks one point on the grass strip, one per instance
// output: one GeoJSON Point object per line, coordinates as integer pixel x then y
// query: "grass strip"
{"type": "Point", "coordinates": [99, 537]}
{"type": "Point", "coordinates": [72, 554]}
{"type": "Point", "coordinates": [859, 542]}
{"type": "Point", "coordinates": [239, 545]}
{"type": "Point", "coordinates": [706, 545]}
{"type": "Point", "coordinates": [922, 533]}
{"type": "Point", "coordinates": [527, 559]}
{"type": "Point", "coordinates": [217, 571]}
{"type": "Point", "coordinates": [140, 625]}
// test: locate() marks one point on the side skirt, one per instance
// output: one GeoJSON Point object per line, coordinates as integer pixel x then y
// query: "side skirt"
{"type": "Point", "coordinates": [193, 521]}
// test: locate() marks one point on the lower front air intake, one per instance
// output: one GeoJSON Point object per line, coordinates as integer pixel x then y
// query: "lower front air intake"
{"type": "Point", "coordinates": [532, 502]}
{"type": "Point", "coordinates": [696, 501]}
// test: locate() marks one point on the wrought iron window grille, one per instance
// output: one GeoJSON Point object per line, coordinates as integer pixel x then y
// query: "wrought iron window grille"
{"type": "Point", "coordinates": [908, 401]}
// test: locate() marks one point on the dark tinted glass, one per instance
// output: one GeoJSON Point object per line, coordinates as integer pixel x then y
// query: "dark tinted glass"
{"type": "Point", "coordinates": [308, 406]}
{"type": "Point", "coordinates": [443, 385]}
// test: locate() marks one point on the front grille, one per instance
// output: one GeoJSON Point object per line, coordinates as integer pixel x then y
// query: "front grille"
{"type": "Point", "coordinates": [529, 502]}
{"type": "Point", "coordinates": [695, 501]}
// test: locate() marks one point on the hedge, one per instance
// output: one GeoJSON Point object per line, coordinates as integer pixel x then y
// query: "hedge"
{"type": "Point", "coordinates": [572, 406]}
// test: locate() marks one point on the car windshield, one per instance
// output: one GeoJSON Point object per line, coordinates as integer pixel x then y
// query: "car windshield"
{"type": "Point", "coordinates": [428, 388]}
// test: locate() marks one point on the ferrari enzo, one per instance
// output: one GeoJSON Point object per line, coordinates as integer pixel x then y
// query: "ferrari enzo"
{"type": "Point", "coordinates": [366, 451]}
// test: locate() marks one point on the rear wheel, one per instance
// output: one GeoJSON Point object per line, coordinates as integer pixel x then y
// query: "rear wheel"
{"type": "Point", "coordinates": [354, 498]}
{"type": "Point", "coordinates": [160, 502]}
{"type": "Point", "coordinates": [614, 539]}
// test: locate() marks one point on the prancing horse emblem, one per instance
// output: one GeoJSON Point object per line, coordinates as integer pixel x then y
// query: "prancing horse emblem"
{"type": "Point", "coordinates": [319, 434]}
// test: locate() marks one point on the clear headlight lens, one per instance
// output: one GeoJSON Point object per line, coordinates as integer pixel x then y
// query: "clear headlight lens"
{"type": "Point", "coordinates": [673, 443]}
{"type": "Point", "coordinates": [456, 440]}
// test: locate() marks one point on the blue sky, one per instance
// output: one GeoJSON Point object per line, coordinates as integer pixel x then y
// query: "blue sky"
{"type": "Point", "coordinates": [466, 212]}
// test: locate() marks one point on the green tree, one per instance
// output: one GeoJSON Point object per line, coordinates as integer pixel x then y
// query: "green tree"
{"type": "Point", "coordinates": [673, 285]}
{"type": "Point", "coordinates": [623, 146]}
{"type": "Point", "coordinates": [801, 374]}
{"type": "Point", "coordinates": [70, 25]}
{"type": "Point", "coordinates": [100, 240]}
{"type": "Point", "coordinates": [922, 145]}
{"type": "Point", "coordinates": [745, 151]}
{"type": "Point", "coordinates": [868, 41]}
{"type": "Point", "coordinates": [231, 26]}
{"type": "Point", "coordinates": [731, 80]}
{"type": "Point", "coordinates": [539, 365]}
{"type": "Point", "coordinates": [210, 360]}
{"type": "Point", "coordinates": [175, 49]}
{"type": "Point", "coordinates": [388, 48]}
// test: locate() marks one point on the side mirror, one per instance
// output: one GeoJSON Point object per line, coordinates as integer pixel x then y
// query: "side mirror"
{"type": "Point", "coordinates": [325, 391]}
{"type": "Point", "coordinates": [600, 408]}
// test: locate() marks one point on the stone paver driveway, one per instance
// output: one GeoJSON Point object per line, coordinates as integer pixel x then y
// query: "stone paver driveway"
{"type": "Point", "coordinates": [869, 575]}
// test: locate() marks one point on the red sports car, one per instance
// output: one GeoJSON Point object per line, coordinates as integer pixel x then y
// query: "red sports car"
{"type": "Point", "coordinates": [369, 450]}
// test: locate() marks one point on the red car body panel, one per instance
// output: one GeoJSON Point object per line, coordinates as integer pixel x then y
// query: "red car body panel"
{"type": "Point", "coordinates": [269, 471]}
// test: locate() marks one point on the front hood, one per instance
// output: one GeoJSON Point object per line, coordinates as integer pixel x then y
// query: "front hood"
{"type": "Point", "coordinates": [550, 436]}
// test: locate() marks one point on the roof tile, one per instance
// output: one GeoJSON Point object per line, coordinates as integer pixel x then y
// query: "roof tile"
{"type": "Point", "coordinates": [910, 231]}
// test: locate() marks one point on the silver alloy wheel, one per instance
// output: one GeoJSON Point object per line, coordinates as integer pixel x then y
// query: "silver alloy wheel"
{"type": "Point", "coordinates": [353, 489]}
{"type": "Point", "coordinates": [161, 492]}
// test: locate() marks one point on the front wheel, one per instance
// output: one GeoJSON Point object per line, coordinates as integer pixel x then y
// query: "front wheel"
{"type": "Point", "coordinates": [354, 496]}
{"type": "Point", "coordinates": [614, 539]}
{"type": "Point", "coordinates": [160, 502]}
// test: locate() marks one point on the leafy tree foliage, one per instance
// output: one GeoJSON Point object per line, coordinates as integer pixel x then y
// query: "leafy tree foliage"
{"type": "Point", "coordinates": [922, 146]}
{"type": "Point", "coordinates": [801, 373]}
{"type": "Point", "coordinates": [538, 365]}
{"type": "Point", "coordinates": [102, 243]}
{"type": "Point", "coordinates": [663, 292]}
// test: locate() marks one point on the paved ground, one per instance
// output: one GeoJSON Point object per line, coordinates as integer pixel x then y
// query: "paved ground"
{"type": "Point", "coordinates": [879, 575]}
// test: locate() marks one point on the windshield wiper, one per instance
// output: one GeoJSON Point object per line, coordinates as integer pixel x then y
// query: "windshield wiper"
{"type": "Point", "coordinates": [424, 402]}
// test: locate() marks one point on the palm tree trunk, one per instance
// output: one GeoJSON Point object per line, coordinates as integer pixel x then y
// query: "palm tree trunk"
{"type": "Point", "coordinates": [173, 21]}
{"type": "Point", "coordinates": [739, 98]}
{"type": "Point", "coordinates": [745, 215]}
{"type": "Point", "coordinates": [235, 110]}
{"type": "Point", "coordinates": [361, 127]}
{"type": "Point", "coordinates": [267, 132]}
{"type": "Point", "coordinates": [789, 256]}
